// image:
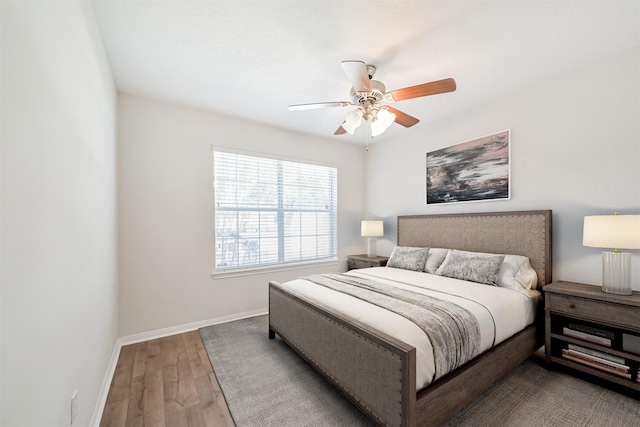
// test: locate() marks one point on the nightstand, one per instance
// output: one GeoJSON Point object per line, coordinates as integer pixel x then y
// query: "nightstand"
{"type": "Point", "coordinates": [363, 261]}
{"type": "Point", "coordinates": [593, 332]}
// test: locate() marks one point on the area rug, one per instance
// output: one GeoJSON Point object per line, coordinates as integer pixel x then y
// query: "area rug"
{"type": "Point", "coordinates": [266, 384]}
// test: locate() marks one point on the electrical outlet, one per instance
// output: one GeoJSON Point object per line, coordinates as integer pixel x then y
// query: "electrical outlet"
{"type": "Point", "coordinates": [74, 406]}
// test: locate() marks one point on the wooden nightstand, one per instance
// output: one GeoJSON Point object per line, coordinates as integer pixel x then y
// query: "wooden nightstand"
{"type": "Point", "coordinates": [363, 261]}
{"type": "Point", "coordinates": [582, 318]}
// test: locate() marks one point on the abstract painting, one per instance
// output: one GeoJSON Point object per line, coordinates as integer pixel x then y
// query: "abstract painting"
{"type": "Point", "coordinates": [476, 170]}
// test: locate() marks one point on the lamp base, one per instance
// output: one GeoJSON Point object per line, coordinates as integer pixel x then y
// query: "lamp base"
{"type": "Point", "coordinates": [371, 247]}
{"type": "Point", "coordinates": [616, 273]}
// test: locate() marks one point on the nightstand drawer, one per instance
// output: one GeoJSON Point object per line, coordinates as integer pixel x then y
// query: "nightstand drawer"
{"type": "Point", "coordinates": [618, 314]}
{"type": "Point", "coordinates": [363, 261]}
{"type": "Point", "coordinates": [358, 263]}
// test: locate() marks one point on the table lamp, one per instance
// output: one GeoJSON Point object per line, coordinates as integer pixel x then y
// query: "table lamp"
{"type": "Point", "coordinates": [371, 229]}
{"type": "Point", "coordinates": [617, 232]}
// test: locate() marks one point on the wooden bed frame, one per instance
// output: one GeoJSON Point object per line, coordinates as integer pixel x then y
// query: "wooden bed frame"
{"type": "Point", "coordinates": [377, 372]}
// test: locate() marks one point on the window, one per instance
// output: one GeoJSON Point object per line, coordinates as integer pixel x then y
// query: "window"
{"type": "Point", "coordinates": [272, 212]}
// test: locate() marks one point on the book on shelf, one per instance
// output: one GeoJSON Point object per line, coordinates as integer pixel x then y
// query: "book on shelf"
{"type": "Point", "coordinates": [587, 337]}
{"type": "Point", "coordinates": [596, 353]}
{"type": "Point", "coordinates": [598, 366]}
{"type": "Point", "coordinates": [591, 330]}
{"type": "Point", "coordinates": [597, 360]}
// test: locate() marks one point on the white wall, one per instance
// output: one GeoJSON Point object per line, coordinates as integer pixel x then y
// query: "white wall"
{"type": "Point", "coordinates": [166, 212]}
{"type": "Point", "coordinates": [575, 149]}
{"type": "Point", "coordinates": [58, 267]}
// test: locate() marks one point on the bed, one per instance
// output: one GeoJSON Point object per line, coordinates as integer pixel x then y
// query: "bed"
{"type": "Point", "coordinates": [376, 370]}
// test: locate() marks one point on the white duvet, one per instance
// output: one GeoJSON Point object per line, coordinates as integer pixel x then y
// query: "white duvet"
{"type": "Point", "coordinates": [500, 312]}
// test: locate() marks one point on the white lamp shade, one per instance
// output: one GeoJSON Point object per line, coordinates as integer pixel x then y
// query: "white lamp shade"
{"type": "Point", "coordinates": [352, 120]}
{"type": "Point", "coordinates": [372, 229]}
{"type": "Point", "coordinates": [612, 231]}
{"type": "Point", "coordinates": [384, 120]}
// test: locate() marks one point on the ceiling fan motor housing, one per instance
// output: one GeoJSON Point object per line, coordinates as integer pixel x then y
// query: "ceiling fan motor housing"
{"type": "Point", "coordinates": [376, 94]}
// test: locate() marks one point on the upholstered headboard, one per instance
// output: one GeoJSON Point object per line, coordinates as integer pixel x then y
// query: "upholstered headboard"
{"type": "Point", "coordinates": [525, 233]}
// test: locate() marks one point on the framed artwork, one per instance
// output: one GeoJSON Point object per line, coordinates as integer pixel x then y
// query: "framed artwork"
{"type": "Point", "coordinates": [472, 171]}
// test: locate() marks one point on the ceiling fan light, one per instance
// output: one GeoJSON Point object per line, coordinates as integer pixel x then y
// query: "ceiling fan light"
{"type": "Point", "coordinates": [352, 120]}
{"type": "Point", "coordinates": [385, 119]}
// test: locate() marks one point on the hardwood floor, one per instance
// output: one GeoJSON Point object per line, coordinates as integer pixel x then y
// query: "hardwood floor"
{"type": "Point", "coordinates": [166, 382]}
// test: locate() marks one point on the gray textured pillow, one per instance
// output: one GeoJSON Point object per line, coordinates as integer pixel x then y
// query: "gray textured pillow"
{"type": "Point", "coordinates": [408, 258]}
{"type": "Point", "coordinates": [480, 268]}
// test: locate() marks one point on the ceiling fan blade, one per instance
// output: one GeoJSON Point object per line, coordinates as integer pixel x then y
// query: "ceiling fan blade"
{"type": "Point", "coordinates": [340, 130]}
{"type": "Point", "coordinates": [358, 75]}
{"type": "Point", "coordinates": [425, 89]}
{"type": "Point", "coordinates": [299, 107]}
{"type": "Point", "coordinates": [403, 118]}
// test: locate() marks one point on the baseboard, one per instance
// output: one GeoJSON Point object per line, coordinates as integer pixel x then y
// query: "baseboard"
{"type": "Point", "coordinates": [106, 383]}
{"type": "Point", "coordinates": [146, 336]}
{"type": "Point", "coordinates": [161, 333]}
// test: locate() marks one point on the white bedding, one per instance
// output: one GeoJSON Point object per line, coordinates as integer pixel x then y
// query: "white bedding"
{"type": "Point", "coordinates": [500, 312]}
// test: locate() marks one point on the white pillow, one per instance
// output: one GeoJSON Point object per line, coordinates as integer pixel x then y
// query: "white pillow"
{"type": "Point", "coordinates": [516, 273]}
{"type": "Point", "coordinates": [434, 259]}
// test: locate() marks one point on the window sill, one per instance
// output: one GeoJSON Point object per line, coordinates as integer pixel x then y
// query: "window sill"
{"type": "Point", "coordinates": [272, 269]}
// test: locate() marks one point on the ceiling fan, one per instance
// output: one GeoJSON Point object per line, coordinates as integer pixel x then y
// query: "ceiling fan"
{"type": "Point", "coordinates": [369, 95]}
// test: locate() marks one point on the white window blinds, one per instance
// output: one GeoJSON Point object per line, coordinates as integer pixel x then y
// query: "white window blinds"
{"type": "Point", "coordinates": [270, 211]}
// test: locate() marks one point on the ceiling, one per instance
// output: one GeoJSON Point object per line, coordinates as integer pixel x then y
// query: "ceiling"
{"type": "Point", "coordinates": [253, 58]}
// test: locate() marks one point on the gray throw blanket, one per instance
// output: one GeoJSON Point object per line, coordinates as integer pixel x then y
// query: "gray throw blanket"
{"type": "Point", "coordinates": [453, 331]}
